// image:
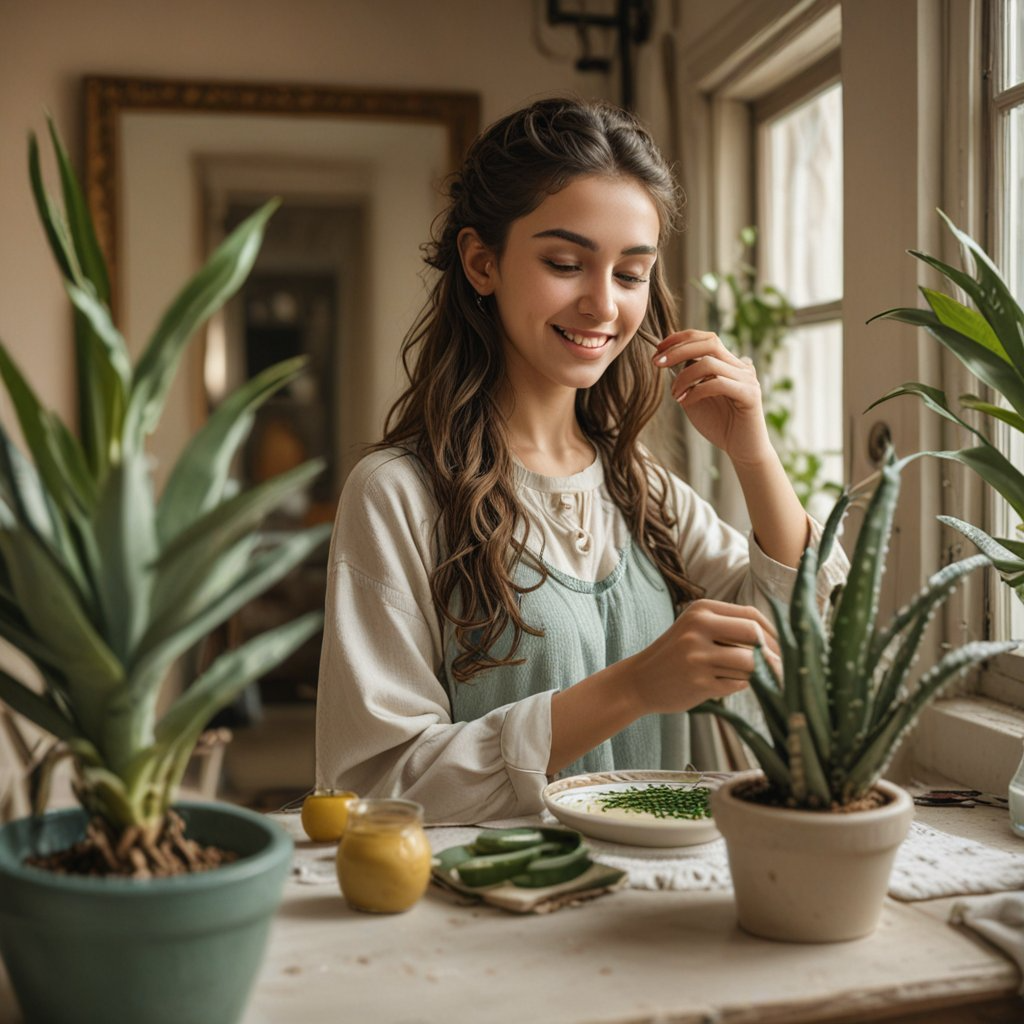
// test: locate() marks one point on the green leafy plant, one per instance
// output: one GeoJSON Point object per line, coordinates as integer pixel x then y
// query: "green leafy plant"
{"type": "Point", "coordinates": [989, 341]}
{"type": "Point", "coordinates": [842, 704]}
{"type": "Point", "coordinates": [102, 586]}
{"type": "Point", "coordinates": [754, 320]}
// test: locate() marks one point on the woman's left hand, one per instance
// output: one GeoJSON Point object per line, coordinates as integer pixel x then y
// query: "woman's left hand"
{"type": "Point", "coordinates": [719, 392]}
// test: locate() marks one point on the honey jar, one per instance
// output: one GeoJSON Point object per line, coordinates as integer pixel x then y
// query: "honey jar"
{"type": "Point", "coordinates": [383, 859]}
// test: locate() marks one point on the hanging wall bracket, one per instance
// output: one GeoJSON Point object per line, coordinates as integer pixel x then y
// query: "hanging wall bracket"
{"type": "Point", "coordinates": [631, 21]}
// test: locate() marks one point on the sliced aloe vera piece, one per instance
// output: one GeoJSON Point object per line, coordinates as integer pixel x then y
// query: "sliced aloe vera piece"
{"type": "Point", "coordinates": [554, 870]}
{"type": "Point", "coordinates": [497, 867]}
{"type": "Point", "coordinates": [506, 840]}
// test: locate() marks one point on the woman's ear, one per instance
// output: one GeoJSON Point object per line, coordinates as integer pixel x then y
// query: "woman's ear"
{"type": "Point", "coordinates": [478, 262]}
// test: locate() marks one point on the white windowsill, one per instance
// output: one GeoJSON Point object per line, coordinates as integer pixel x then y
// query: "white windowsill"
{"type": "Point", "coordinates": [974, 740]}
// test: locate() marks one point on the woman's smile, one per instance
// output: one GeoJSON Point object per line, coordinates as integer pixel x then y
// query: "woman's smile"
{"type": "Point", "coordinates": [590, 343]}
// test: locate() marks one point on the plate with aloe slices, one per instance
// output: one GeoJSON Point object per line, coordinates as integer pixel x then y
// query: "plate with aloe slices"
{"type": "Point", "coordinates": [637, 808]}
{"type": "Point", "coordinates": [525, 869]}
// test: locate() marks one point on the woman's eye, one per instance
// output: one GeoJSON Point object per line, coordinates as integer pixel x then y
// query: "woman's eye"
{"type": "Point", "coordinates": [633, 279]}
{"type": "Point", "coordinates": [562, 268]}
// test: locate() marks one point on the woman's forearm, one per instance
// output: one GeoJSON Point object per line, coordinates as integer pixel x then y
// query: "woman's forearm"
{"type": "Point", "coordinates": [777, 518]}
{"type": "Point", "coordinates": [588, 713]}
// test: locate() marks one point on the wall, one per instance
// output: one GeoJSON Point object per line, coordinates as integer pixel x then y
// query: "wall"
{"type": "Point", "coordinates": [499, 49]}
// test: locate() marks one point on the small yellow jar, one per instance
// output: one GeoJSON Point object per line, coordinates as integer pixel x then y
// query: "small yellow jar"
{"type": "Point", "coordinates": [383, 859]}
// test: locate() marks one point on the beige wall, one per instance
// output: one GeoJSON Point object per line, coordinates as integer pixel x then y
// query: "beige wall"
{"type": "Point", "coordinates": [495, 47]}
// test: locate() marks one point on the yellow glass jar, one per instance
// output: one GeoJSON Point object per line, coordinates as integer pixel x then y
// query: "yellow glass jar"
{"type": "Point", "coordinates": [383, 858]}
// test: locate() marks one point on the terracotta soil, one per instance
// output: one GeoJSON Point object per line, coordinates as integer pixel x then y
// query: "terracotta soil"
{"type": "Point", "coordinates": [134, 853]}
{"type": "Point", "coordinates": [761, 791]}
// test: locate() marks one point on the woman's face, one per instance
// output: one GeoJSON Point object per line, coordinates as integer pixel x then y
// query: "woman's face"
{"type": "Point", "coordinates": [572, 283]}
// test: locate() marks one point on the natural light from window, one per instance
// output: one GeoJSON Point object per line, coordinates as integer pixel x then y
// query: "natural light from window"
{"type": "Point", "coordinates": [801, 193]}
{"type": "Point", "coordinates": [1009, 202]}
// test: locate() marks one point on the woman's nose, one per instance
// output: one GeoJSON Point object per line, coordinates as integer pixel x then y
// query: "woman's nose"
{"type": "Point", "coordinates": [598, 300]}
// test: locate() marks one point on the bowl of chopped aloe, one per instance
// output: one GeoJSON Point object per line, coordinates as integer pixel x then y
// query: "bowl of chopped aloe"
{"type": "Point", "coordinates": [637, 808]}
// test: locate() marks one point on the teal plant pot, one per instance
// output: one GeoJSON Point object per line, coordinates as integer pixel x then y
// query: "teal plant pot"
{"type": "Point", "coordinates": [85, 950]}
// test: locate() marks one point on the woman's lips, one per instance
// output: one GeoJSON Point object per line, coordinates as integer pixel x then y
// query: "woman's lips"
{"type": "Point", "coordinates": [584, 342]}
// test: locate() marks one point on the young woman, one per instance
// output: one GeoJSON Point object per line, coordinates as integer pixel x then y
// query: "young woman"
{"type": "Point", "coordinates": [516, 589]}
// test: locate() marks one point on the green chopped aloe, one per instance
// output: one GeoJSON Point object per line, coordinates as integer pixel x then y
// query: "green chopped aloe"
{"type": "Point", "coordinates": [555, 870]}
{"type": "Point", "coordinates": [506, 840]}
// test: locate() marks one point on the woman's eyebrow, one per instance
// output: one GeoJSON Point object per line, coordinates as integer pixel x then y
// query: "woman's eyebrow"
{"type": "Point", "coordinates": [589, 243]}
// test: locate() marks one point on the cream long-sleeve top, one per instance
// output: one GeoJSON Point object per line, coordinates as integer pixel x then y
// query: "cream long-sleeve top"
{"type": "Point", "coordinates": [384, 723]}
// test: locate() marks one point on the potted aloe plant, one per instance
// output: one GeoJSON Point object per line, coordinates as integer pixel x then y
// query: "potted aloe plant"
{"type": "Point", "coordinates": [811, 838]}
{"type": "Point", "coordinates": [103, 587]}
{"type": "Point", "coordinates": [989, 341]}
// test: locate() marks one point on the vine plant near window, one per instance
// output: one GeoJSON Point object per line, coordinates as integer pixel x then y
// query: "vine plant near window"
{"type": "Point", "coordinates": [753, 319]}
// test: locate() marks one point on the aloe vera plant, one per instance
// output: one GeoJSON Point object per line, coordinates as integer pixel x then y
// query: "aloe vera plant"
{"type": "Point", "coordinates": [989, 341]}
{"type": "Point", "coordinates": [103, 586]}
{"type": "Point", "coordinates": [843, 702]}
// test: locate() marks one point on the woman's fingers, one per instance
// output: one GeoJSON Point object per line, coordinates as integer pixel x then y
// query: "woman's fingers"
{"type": "Point", "coordinates": [707, 368]}
{"type": "Point", "coordinates": [741, 624]}
{"type": "Point", "coordinates": [685, 346]}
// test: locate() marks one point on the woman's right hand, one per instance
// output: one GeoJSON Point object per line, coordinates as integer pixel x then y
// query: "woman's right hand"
{"type": "Point", "coordinates": [708, 652]}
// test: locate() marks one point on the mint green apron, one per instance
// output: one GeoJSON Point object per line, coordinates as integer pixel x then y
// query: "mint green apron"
{"type": "Point", "coordinates": [587, 626]}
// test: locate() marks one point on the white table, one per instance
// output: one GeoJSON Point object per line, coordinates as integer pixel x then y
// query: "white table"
{"type": "Point", "coordinates": [630, 957]}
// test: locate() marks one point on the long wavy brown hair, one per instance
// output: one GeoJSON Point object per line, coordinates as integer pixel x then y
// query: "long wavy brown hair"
{"type": "Point", "coordinates": [449, 416]}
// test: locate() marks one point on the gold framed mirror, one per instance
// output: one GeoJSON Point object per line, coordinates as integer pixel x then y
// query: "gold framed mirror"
{"type": "Point", "coordinates": [108, 100]}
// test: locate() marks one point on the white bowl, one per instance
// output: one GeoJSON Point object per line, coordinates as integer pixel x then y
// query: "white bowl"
{"type": "Point", "coordinates": [573, 801]}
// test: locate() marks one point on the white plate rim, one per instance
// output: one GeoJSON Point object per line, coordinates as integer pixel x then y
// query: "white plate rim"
{"type": "Point", "coordinates": [640, 833]}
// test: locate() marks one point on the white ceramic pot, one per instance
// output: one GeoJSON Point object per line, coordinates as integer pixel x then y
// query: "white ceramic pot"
{"type": "Point", "coordinates": [809, 876]}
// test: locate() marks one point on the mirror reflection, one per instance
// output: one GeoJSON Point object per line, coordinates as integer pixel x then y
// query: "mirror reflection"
{"type": "Point", "coordinates": [171, 169]}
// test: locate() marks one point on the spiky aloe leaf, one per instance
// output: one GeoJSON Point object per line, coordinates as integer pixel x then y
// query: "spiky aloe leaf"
{"type": "Point", "coordinates": [881, 742]}
{"type": "Point", "coordinates": [197, 482]}
{"type": "Point", "coordinates": [809, 783]}
{"type": "Point", "coordinates": [831, 529]}
{"type": "Point", "coordinates": [914, 618]}
{"type": "Point", "coordinates": [790, 655]}
{"type": "Point", "coordinates": [222, 276]}
{"type": "Point", "coordinates": [812, 681]}
{"type": "Point", "coordinates": [765, 688]}
{"type": "Point", "coordinates": [854, 620]}
{"type": "Point", "coordinates": [774, 766]}
{"type": "Point", "coordinates": [1006, 555]}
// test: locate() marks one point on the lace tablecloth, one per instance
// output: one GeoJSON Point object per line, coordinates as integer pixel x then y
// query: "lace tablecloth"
{"type": "Point", "coordinates": [929, 864]}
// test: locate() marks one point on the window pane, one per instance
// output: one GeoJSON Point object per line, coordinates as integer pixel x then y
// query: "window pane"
{"type": "Point", "coordinates": [804, 196]}
{"type": "Point", "coordinates": [1013, 265]}
{"type": "Point", "coordinates": [1013, 202]}
{"type": "Point", "coordinates": [1013, 43]}
{"type": "Point", "coordinates": [812, 358]}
